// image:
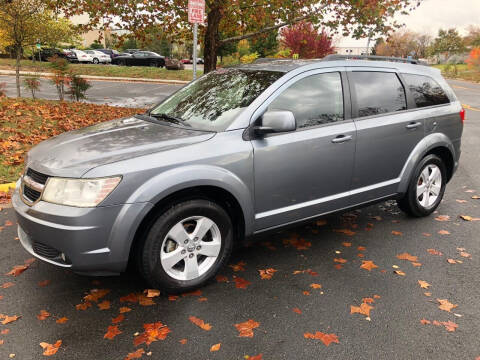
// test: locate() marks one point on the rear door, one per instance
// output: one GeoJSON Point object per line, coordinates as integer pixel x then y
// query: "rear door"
{"type": "Point", "coordinates": [387, 132]}
{"type": "Point", "coordinates": [307, 172]}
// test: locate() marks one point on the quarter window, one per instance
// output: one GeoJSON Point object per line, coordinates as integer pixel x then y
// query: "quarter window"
{"type": "Point", "coordinates": [314, 100]}
{"type": "Point", "coordinates": [377, 93]}
{"type": "Point", "coordinates": [425, 90]}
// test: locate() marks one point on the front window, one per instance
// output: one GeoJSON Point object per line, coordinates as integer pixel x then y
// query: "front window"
{"type": "Point", "coordinates": [214, 101]}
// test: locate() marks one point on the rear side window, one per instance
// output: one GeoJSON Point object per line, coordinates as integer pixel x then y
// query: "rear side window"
{"type": "Point", "coordinates": [425, 90]}
{"type": "Point", "coordinates": [314, 100]}
{"type": "Point", "coordinates": [377, 92]}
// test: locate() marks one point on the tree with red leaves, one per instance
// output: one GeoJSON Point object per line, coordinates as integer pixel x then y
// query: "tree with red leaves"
{"type": "Point", "coordinates": [306, 41]}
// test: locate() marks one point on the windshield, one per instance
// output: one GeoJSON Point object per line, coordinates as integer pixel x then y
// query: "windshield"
{"type": "Point", "coordinates": [214, 101]}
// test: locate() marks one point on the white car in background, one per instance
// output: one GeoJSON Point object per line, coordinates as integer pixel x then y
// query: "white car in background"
{"type": "Point", "coordinates": [99, 57]}
{"type": "Point", "coordinates": [82, 56]}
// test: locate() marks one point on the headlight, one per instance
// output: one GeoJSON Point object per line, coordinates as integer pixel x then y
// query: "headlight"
{"type": "Point", "coordinates": [79, 192]}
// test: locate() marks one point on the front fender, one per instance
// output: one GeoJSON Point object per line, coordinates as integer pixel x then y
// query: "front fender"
{"type": "Point", "coordinates": [428, 143]}
{"type": "Point", "coordinates": [176, 179]}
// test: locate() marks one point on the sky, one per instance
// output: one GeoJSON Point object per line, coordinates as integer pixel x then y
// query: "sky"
{"type": "Point", "coordinates": [433, 15]}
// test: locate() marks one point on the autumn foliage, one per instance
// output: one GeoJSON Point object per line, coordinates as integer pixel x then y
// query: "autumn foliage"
{"type": "Point", "coordinates": [306, 41]}
{"type": "Point", "coordinates": [474, 58]}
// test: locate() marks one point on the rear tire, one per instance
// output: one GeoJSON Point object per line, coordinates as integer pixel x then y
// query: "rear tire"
{"type": "Point", "coordinates": [95, 61]}
{"type": "Point", "coordinates": [173, 258]}
{"type": "Point", "coordinates": [426, 188]}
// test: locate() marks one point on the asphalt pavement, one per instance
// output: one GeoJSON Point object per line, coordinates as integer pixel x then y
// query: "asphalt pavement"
{"type": "Point", "coordinates": [287, 307]}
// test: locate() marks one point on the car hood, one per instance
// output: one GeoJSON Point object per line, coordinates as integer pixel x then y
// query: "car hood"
{"type": "Point", "coordinates": [73, 153]}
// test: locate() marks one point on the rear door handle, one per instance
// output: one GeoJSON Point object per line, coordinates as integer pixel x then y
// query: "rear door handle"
{"type": "Point", "coordinates": [414, 125]}
{"type": "Point", "coordinates": [342, 138]}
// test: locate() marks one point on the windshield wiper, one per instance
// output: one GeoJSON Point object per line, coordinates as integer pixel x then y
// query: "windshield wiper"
{"type": "Point", "coordinates": [170, 118]}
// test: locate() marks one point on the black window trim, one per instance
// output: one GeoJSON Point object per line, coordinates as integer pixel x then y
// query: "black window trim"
{"type": "Point", "coordinates": [354, 104]}
{"type": "Point", "coordinates": [414, 104]}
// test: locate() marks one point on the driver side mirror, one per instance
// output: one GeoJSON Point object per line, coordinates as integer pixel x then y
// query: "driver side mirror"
{"type": "Point", "coordinates": [276, 122]}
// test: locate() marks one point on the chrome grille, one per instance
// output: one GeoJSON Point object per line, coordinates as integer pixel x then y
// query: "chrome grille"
{"type": "Point", "coordinates": [32, 186]}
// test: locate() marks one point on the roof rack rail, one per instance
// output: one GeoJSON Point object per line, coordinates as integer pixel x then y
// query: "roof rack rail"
{"type": "Point", "coordinates": [334, 57]}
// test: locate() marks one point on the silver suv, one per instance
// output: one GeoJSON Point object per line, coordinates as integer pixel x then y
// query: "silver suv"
{"type": "Point", "coordinates": [236, 153]}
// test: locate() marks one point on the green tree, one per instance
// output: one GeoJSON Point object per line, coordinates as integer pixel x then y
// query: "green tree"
{"type": "Point", "coordinates": [249, 18]}
{"type": "Point", "coordinates": [157, 41]}
{"type": "Point", "coordinates": [265, 44]}
{"type": "Point", "coordinates": [448, 42]}
{"type": "Point", "coordinates": [473, 37]}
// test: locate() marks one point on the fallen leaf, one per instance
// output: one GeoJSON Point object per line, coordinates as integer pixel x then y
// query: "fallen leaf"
{"type": "Point", "coordinates": [306, 293]}
{"type": "Point", "coordinates": [340, 260]}
{"type": "Point", "coordinates": [215, 347]}
{"type": "Point", "coordinates": [450, 326]}
{"type": "Point", "coordinates": [427, 293]}
{"type": "Point", "coordinates": [50, 349]}
{"type": "Point", "coordinates": [183, 341]}
{"type": "Point", "coordinates": [427, 234]}
{"type": "Point", "coordinates": [297, 242]}
{"type": "Point", "coordinates": [465, 254]}
{"type": "Point", "coordinates": [407, 256]}
{"type": "Point", "coordinates": [442, 218]}
{"type": "Point", "coordinates": [361, 248]}
{"type": "Point", "coordinates": [347, 244]}
{"type": "Point", "coordinates": [241, 283]}
{"type": "Point", "coordinates": [434, 252]}
{"type": "Point", "coordinates": [423, 284]}
{"type": "Point", "coordinates": [202, 299]}
{"type": "Point", "coordinates": [238, 267]}
{"type": "Point", "coordinates": [112, 331]}
{"type": "Point", "coordinates": [360, 255]}
{"type": "Point", "coordinates": [62, 320]}
{"type": "Point", "coordinates": [245, 329]}
{"type": "Point", "coordinates": [152, 293]}
{"type": "Point", "coordinates": [338, 266]}
{"type": "Point", "coordinates": [475, 197]}
{"type": "Point", "coordinates": [200, 323]}
{"type": "Point", "coordinates": [44, 283]}
{"type": "Point", "coordinates": [124, 309]}
{"type": "Point", "coordinates": [444, 232]}
{"type": "Point", "coordinates": [267, 273]}
{"type": "Point", "coordinates": [445, 305]}
{"type": "Point", "coordinates": [461, 201]}
{"type": "Point", "coordinates": [44, 314]}
{"type": "Point", "coordinates": [95, 295]}
{"type": "Point", "coordinates": [363, 309]}
{"type": "Point", "coordinates": [297, 310]}
{"type": "Point", "coordinates": [451, 261]}
{"type": "Point", "coordinates": [83, 306]}
{"type": "Point", "coordinates": [399, 272]}
{"type": "Point", "coordinates": [345, 232]}
{"type": "Point", "coordinates": [221, 278]}
{"type": "Point", "coordinates": [104, 305]}
{"type": "Point", "coordinates": [397, 233]}
{"type": "Point", "coordinates": [5, 331]}
{"type": "Point", "coordinates": [118, 319]}
{"type": "Point", "coordinates": [416, 264]}
{"type": "Point", "coordinates": [193, 293]}
{"type": "Point", "coordinates": [7, 285]}
{"type": "Point", "coordinates": [135, 355]}
{"type": "Point", "coordinates": [425, 322]}
{"type": "Point", "coordinates": [17, 270]}
{"type": "Point", "coordinates": [327, 339]}
{"type": "Point", "coordinates": [173, 297]}
{"type": "Point", "coordinates": [10, 319]}
{"type": "Point", "coordinates": [315, 286]}
{"type": "Point", "coordinates": [368, 265]}
{"type": "Point", "coordinates": [368, 300]}
{"type": "Point", "coordinates": [153, 332]}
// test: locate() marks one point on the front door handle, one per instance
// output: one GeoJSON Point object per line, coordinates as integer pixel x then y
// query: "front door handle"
{"type": "Point", "coordinates": [342, 138]}
{"type": "Point", "coordinates": [414, 125]}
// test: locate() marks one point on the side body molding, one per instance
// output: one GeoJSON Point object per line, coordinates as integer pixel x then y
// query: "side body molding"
{"type": "Point", "coordinates": [428, 143]}
{"type": "Point", "coordinates": [167, 183]}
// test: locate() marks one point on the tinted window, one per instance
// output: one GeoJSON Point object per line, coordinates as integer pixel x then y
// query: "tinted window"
{"type": "Point", "coordinates": [425, 90]}
{"type": "Point", "coordinates": [216, 99]}
{"type": "Point", "coordinates": [378, 93]}
{"type": "Point", "coordinates": [314, 100]}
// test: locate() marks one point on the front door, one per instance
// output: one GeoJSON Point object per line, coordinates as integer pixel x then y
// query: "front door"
{"type": "Point", "coordinates": [307, 172]}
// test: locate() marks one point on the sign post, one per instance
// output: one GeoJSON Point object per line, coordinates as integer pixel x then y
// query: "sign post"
{"type": "Point", "coordinates": [196, 14]}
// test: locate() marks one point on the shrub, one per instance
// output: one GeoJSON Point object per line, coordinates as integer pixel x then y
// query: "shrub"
{"type": "Point", "coordinates": [247, 59]}
{"type": "Point", "coordinates": [32, 83]}
{"type": "Point", "coordinates": [78, 87]}
{"type": "Point", "coordinates": [283, 54]}
{"type": "Point", "coordinates": [451, 70]}
{"type": "Point", "coordinates": [60, 72]}
{"type": "Point", "coordinates": [230, 60]}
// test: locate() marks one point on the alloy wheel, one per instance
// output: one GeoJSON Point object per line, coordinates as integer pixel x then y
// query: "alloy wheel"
{"type": "Point", "coordinates": [429, 185]}
{"type": "Point", "coordinates": [191, 248]}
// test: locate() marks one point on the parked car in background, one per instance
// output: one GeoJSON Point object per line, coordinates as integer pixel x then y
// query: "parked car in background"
{"type": "Point", "coordinates": [46, 53]}
{"type": "Point", "coordinates": [99, 57]}
{"type": "Point", "coordinates": [132, 51]}
{"type": "Point", "coordinates": [186, 61]}
{"type": "Point", "coordinates": [190, 61]}
{"type": "Point", "coordinates": [82, 56]}
{"type": "Point", "coordinates": [110, 52]}
{"type": "Point", "coordinates": [141, 58]}
{"type": "Point", "coordinates": [200, 61]}
{"type": "Point", "coordinates": [174, 64]}
{"type": "Point", "coordinates": [237, 153]}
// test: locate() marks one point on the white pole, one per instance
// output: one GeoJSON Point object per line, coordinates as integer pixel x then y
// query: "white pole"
{"type": "Point", "coordinates": [195, 30]}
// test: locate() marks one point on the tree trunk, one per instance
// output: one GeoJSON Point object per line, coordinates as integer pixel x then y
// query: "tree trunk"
{"type": "Point", "coordinates": [17, 69]}
{"type": "Point", "coordinates": [211, 39]}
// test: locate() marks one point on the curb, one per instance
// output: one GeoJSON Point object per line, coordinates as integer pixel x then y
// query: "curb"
{"type": "Point", "coordinates": [101, 78]}
{"type": "Point", "coordinates": [7, 187]}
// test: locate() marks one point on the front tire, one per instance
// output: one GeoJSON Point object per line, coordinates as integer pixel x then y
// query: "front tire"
{"type": "Point", "coordinates": [186, 246]}
{"type": "Point", "coordinates": [426, 188]}
{"type": "Point", "coordinates": [95, 61]}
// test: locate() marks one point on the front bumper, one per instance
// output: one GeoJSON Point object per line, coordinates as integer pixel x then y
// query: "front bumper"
{"type": "Point", "coordinates": [93, 241]}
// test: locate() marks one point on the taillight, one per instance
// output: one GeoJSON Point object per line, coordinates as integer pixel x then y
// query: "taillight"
{"type": "Point", "coordinates": [462, 115]}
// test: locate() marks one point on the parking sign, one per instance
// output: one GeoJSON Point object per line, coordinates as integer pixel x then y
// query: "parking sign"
{"type": "Point", "coordinates": [196, 11]}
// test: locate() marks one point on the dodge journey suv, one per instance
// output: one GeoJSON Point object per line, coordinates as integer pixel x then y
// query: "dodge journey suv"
{"type": "Point", "coordinates": [236, 153]}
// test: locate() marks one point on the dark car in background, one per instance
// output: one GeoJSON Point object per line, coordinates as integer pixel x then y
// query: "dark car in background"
{"type": "Point", "coordinates": [132, 51]}
{"type": "Point", "coordinates": [140, 58]}
{"type": "Point", "coordinates": [46, 53]}
{"type": "Point", "coordinates": [112, 53]}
